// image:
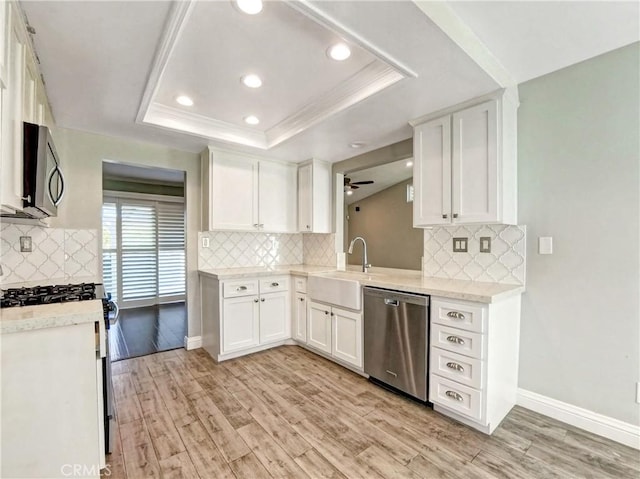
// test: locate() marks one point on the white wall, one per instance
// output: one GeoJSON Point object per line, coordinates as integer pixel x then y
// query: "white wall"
{"type": "Point", "coordinates": [82, 155]}
{"type": "Point", "coordinates": [578, 166]}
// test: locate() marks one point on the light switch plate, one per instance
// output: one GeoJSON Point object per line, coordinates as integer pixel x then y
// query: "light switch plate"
{"type": "Point", "coordinates": [545, 245]}
{"type": "Point", "coordinates": [205, 242]}
{"type": "Point", "coordinates": [460, 245]}
{"type": "Point", "coordinates": [485, 244]}
{"type": "Point", "coordinates": [25, 244]}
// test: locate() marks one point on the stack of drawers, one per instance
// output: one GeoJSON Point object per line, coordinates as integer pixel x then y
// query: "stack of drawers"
{"type": "Point", "coordinates": [457, 379]}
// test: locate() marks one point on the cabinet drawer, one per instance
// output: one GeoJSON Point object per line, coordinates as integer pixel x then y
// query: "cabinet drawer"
{"type": "Point", "coordinates": [462, 399]}
{"type": "Point", "coordinates": [300, 284]}
{"type": "Point", "coordinates": [457, 340]}
{"type": "Point", "coordinates": [271, 285]}
{"type": "Point", "coordinates": [241, 287]}
{"type": "Point", "coordinates": [459, 368]}
{"type": "Point", "coordinates": [459, 314]}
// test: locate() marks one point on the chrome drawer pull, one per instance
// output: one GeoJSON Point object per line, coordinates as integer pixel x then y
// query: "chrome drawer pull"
{"type": "Point", "coordinates": [392, 373]}
{"type": "Point", "coordinates": [455, 366]}
{"type": "Point", "coordinates": [455, 339]}
{"type": "Point", "coordinates": [453, 395]}
{"type": "Point", "coordinates": [241, 288]}
{"type": "Point", "coordinates": [455, 315]}
{"type": "Point", "coordinates": [275, 284]}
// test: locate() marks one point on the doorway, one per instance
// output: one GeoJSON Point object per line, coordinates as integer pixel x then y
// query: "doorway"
{"type": "Point", "coordinates": [144, 258]}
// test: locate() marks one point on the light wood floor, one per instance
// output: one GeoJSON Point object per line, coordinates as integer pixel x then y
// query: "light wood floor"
{"type": "Point", "coordinates": [289, 413]}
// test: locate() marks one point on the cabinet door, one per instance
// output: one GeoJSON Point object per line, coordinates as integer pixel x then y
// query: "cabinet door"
{"type": "Point", "coordinates": [29, 91]}
{"type": "Point", "coordinates": [274, 317]}
{"type": "Point", "coordinates": [319, 327]}
{"type": "Point", "coordinates": [475, 164]}
{"type": "Point", "coordinates": [240, 323]}
{"type": "Point", "coordinates": [234, 193]}
{"type": "Point", "coordinates": [305, 216]}
{"type": "Point", "coordinates": [11, 158]}
{"type": "Point", "coordinates": [277, 197]}
{"type": "Point", "coordinates": [347, 336]}
{"type": "Point", "coordinates": [4, 50]}
{"type": "Point", "coordinates": [432, 173]}
{"type": "Point", "coordinates": [300, 317]}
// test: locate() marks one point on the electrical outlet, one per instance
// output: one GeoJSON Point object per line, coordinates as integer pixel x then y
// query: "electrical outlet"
{"type": "Point", "coordinates": [485, 244]}
{"type": "Point", "coordinates": [205, 242]}
{"type": "Point", "coordinates": [26, 245]}
{"type": "Point", "coordinates": [460, 245]}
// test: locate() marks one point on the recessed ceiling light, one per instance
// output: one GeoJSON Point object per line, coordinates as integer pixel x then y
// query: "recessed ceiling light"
{"type": "Point", "coordinates": [184, 100]}
{"type": "Point", "coordinates": [250, 7]}
{"type": "Point", "coordinates": [349, 192]}
{"type": "Point", "coordinates": [339, 52]}
{"type": "Point", "coordinates": [252, 81]}
{"type": "Point", "coordinates": [409, 163]}
{"type": "Point", "coordinates": [357, 144]}
{"type": "Point", "coordinates": [251, 120]}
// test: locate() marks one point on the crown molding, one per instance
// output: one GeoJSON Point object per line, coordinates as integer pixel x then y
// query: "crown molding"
{"type": "Point", "coordinates": [178, 120]}
{"type": "Point", "coordinates": [452, 25]}
{"type": "Point", "coordinates": [374, 77]}
{"type": "Point", "coordinates": [322, 18]}
{"type": "Point", "coordinates": [177, 19]}
{"type": "Point", "coordinates": [371, 79]}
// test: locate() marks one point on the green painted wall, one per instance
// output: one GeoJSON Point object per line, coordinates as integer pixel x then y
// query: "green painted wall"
{"type": "Point", "coordinates": [579, 177]}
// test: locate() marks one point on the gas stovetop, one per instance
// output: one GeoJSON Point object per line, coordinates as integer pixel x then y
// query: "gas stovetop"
{"type": "Point", "coordinates": [63, 293]}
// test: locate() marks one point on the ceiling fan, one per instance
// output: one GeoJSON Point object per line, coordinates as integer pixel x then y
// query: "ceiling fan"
{"type": "Point", "coordinates": [348, 185]}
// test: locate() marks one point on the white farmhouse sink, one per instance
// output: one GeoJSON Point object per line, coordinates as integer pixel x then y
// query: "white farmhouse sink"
{"type": "Point", "coordinates": [339, 289]}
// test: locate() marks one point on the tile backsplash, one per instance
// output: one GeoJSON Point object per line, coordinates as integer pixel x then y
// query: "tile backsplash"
{"type": "Point", "coordinates": [504, 264]}
{"type": "Point", "coordinates": [57, 254]}
{"type": "Point", "coordinates": [237, 249]}
{"type": "Point", "coordinates": [319, 249]}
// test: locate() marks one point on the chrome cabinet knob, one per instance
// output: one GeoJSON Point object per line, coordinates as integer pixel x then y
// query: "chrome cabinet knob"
{"type": "Point", "coordinates": [445, 217]}
{"type": "Point", "coordinates": [255, 300]}
{"type": "Point", "coordinates": [301, 299]}
{"type": "Point", "coordinates": [262, 299]}
{"type": "Point", "coordinates": [455, 215]}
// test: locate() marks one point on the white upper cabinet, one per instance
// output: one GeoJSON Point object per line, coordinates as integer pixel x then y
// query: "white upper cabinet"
{"type": "Point", "coordinates": [12, 109]}
{"type": "Point", "coordinates": [314, 197]}
{"type": "Point", "coordinates": [243, 193]}
{"type": "Point", "coordinates": [465, 164]}
{"type": "Point", "coordinates": [277, 197]}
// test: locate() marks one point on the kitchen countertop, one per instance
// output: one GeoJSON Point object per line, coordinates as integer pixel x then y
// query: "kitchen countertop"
{"type": "Point", "coordinates": [28, 318]}
{"type": "Point", "coordinates": [253, 271]}
{"type": "Point", "coordinates": [396, 279]}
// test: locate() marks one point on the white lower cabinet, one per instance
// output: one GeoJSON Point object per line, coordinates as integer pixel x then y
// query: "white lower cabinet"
{"type": "Point", "coordinates": [473, 363]}
{"type": "Point", "coordinates": [335, 331]}
{"type": "Point", "coordinates": [319, 327]}
{"type": "Point", "coordinates": [300, 317]}
{"type": "Point", "coordinates": [240, 323]}
{"type": "Point", "coordinates": [245, 315]}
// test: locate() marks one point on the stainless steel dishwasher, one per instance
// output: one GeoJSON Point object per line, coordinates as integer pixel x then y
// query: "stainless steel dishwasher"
{"type": "Point", "coordinates": [396, 332]}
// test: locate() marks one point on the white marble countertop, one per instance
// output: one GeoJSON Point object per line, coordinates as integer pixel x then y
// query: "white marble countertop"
{"type": "Point", "coordinates": [257, 271]}
{"type": "Point", "coordinates": [27, 318]}
{"type": "Point", "coordinates": [397, 279]}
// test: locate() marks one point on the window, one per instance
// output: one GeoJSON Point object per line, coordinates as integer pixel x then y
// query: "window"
{"type": "Point", "coordinates": [143, 251]}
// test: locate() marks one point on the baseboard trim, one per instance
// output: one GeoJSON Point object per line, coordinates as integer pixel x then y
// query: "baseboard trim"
{"type": "Point", "coordinates": [605, 426]}
{"type": "Point", "coordinates": [193, 342]}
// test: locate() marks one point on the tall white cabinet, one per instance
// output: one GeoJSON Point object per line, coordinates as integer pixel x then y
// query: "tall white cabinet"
{"type": "Point", "coordinates": [465, 163]}
{"type": "Point", "coordinates": [314, 197]}
{"type": "Point", "coordinates": [245, 193]}
{"type": "Point", "coordinates": [22, 98]}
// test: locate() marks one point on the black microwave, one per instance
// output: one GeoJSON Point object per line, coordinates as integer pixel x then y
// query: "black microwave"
{"type": "Point", "coordinates": [43, 181]}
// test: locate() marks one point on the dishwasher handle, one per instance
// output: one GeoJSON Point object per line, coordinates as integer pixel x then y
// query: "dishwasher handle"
{"type": "Point", "coordinates": [391, 302]}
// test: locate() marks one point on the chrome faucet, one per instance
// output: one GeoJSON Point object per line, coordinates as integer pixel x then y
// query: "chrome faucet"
{"type": "Point", "coordinates": [365, 264]}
